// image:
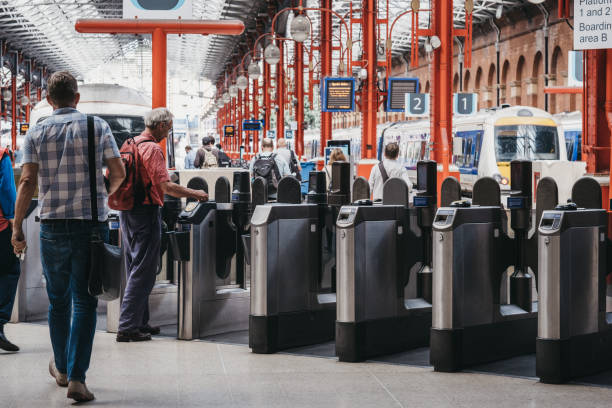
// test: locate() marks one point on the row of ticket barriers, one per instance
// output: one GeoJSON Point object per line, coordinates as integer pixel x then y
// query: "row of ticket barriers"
{"type": "Point", "coordinates": [476, 280]}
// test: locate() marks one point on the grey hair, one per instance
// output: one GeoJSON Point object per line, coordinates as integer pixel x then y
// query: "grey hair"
{"type": "Point", "coordinates": [156, 116]}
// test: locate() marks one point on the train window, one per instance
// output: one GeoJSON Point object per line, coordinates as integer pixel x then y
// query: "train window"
{"type": "Point", "coordinates": [530, 142]}
{"type": "Point", "coordinates": [124, 126]}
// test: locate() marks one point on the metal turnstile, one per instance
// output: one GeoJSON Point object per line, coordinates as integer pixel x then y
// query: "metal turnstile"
{"type": "Point", "coordinates": [574, 330]}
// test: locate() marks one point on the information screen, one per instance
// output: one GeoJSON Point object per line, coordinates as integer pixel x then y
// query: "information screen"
{"type": "Point", "coordinates": [228, 130]}
{"type": "Point", "coordinates": [338, 95]}
{"type": "Point", "coordinates": [396, 92]}
{"type": "Point", "coordinates": [251, 125]}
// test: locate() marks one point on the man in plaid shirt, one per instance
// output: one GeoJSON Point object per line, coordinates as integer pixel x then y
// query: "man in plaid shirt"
{"type": "Point", "coordinates": [55, 153]}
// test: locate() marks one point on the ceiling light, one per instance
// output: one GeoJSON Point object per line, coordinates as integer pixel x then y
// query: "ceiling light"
{"type": "Point", "coordinates": [300, 28]}
{"type": "Point", "coordinates": [435, 42]}
{"type": "Point", "coordinates": [272, 54]}
{"type": "Point", "coordinates": [7, 95]}
{"type": "Point", "coordinates": [536, 1]}
{"type": "Point", "coordinates": [242, 82]}
{"type": "Point", "coordinates": [24, 100]}
{"type": "Point", "coordinates": [499, 11]}
{"type": "Point", "coordinates": [254, 71]}
{"type": "Point", "coordinates": [233, 91]}
{"type": "Point", "coordinates": [226, 97]}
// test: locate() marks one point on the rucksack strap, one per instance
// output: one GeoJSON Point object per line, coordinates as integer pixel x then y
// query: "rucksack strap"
{"type": "Point", "coordinates": [383, 172]}
{"type": "Point", "coordinates": [91, 150]}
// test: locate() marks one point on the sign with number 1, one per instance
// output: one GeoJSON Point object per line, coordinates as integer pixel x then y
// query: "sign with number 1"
{"type": "Point", "coordinates": [465, 103]}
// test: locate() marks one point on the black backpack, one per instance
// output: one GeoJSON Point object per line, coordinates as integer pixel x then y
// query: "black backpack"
{"type": "Point", "coordinates": [224, 160]}
{"type": "Point", "coordinates": [265, 166]}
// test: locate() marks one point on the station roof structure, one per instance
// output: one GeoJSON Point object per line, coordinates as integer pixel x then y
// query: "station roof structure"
{"type": "Point", "coordinates": [44, 30]}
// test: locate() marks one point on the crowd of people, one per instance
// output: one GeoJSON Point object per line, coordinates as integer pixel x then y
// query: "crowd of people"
{"type": "Point", "coordinates": [55, 160]}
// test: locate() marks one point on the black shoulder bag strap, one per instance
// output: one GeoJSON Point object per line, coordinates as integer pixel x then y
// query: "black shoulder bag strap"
{"type": "Point", "coordinates": [383, 172]}
{"type": "Point", "coordinates": [91, 148]}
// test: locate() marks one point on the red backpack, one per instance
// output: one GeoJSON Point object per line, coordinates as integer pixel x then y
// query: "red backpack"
{"type": "Point", "coordinates": [137, 183]}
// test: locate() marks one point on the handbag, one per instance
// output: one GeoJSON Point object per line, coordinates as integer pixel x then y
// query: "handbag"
{"type": "Point", "coordinates": [105, 260]}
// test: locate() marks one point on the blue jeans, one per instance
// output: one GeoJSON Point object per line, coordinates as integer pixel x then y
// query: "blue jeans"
{"type": "Point", "coordinates": [9, 276]}
{"type": "Point", "coordinates": [64, 252]}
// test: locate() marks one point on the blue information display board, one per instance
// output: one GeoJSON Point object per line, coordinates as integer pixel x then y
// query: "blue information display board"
{"type": "Point", "coordinates": [252, 125]}
{"type": "Point", "coordinates": [338, 95]}
{"type": "Point", "coordinates": [397, 88]}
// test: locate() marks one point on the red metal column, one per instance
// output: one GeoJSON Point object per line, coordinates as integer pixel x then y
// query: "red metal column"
{"type": "Point", "coordinates": [29, 105]}
{"type": "Point", "coordinates": [14, 110]}
{"type": "Point", "coordinates": [239, 111]}
{"type": "Point", "coordinates": [280, 93]}
{"type": "Point", "coordinates": [247, 116]}
{"type": "Point", "coordinates": [369, 95]}
{"type": "Point", "coordinates": [325, 53]}
{"type": "Point", "coordinates": [233, 121]}
{"type": "Point", "coordinates": [299, 95]}
{"type": "Point", "coordinates": [441, 72]}
{"type": "Point", "coordinates": [159, 56]}
{"type": "Point", "coordinates": [266, 98]}
{"type": "Point", "coordinates": [256, 114]}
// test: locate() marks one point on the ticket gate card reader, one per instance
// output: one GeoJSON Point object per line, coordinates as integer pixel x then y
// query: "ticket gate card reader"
{"type": "Point", "coordinates": [205, 244]}
{"type": "Point", "coordinates": [376, 249]}
{"type": "Point", "coordinates": [574, 330]}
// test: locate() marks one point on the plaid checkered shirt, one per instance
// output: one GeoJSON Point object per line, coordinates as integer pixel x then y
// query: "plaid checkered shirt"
{"type": "Point", "coordinates": [59, 146]}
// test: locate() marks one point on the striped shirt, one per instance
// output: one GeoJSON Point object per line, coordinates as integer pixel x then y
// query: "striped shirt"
{"type": "Point", "coordinates": [59, 146]}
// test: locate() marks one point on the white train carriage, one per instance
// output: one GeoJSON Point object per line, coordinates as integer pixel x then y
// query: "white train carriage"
{"type": "Point", "coordinates": [570, 126]}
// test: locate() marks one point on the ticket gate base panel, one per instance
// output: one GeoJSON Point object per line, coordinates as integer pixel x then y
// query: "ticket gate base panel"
{"type": "Point", "coordinates": [269, 334]}
{"type": "Point", "coordinates": [455, 349]}
{"type": "Point", "coordinates": [358, 341]}
{"type": "Point", "coordinates": [560, 360]}
{"type": "Point", "coordinates": [224, 314]}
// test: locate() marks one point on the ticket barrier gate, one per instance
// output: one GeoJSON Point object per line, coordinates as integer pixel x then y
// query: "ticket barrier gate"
{"type": "Point", "coordinates": [471, 254]}
{"type": "Point", "coordinates": [293, 300]}
{"type": "Point", "coordinates": [377, 247]}
{"type": "Point", "coordinates": [574, 330]}
{"type": "Point", "coordinates": [207, 238]}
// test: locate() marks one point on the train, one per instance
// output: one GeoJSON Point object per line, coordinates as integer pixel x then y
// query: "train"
{"type": "Point", "coordinates": [121, 107]}
{"type": "Point", "coordinates": [570, 126]}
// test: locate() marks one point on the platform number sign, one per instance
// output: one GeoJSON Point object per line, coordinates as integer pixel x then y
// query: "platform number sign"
{"type": "Point", "coordinates": [465, 103]}
{"type": "Point", "coordinates": [417, 104]}
{"type": "Point", "coordinates": [592, 24]}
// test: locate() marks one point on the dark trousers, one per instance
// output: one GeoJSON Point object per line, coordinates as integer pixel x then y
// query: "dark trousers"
{"type": "Point", "coordinates": [64, 253]}
{"type": "Point", "coordinates": [141, 240]}
{"type": "Point", "coordinates": [9, 276]}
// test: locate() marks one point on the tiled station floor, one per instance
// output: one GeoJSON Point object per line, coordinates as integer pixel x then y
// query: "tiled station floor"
{"type": "Point", "coordinates": [170, 373]}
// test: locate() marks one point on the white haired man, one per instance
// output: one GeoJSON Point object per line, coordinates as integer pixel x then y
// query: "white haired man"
{"type": "Point", "coordinates": [141, 229]}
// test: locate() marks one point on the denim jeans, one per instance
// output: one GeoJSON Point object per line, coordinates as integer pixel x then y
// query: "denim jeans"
{"type": "Point", "coordinates": [9, 276]}
{"type": "Point", "coordinates": [64, 252]}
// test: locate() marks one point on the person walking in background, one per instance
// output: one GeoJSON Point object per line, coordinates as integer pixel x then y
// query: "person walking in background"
{"type": "Point", "coordinates": [55, 153]}
{"type": "Point", "coordinates": [205, 157]}
{"type": "Point", "coordinates": [283, 150]}
{"type": "Point", "coordinates": [9, 272]}
{"type": "Point", "coordinates": [189, 157]}
{"type": "Point", "coordinates": [387, 168]}
{"type": "Point", "coordinates": [270, 166]}
{"type": "Point", "coordinates": [141, 228]}
{"type": "Point", "coordinates": [335, 155]}
{"type": "Point", "coordinates": [222, 157]}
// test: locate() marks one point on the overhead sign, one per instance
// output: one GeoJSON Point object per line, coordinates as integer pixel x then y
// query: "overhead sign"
{"type": "Point", "coordinates": [592, 24]}
{"type": "Point", "coordinates": [158, 9]}
{"type": "Point", "coordinates": [338, 95]}
{"type": "Point", "coordinates": [23, 128]}
{"type": "Point", "coordinates": [397, 88]}
{"type": "Point", "coordinates": [465, 103]}
{"type": "Point", "coordinates": [417, 104]}
{"type": "Point", "coordinates": [229, 131]}
{"type": "Point", "coordinates": [251, 125]}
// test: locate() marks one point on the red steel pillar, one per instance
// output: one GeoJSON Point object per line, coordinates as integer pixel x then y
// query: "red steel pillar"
{"type": "Point", "coordinates": [29, 105]}
{"type": "Point", "coordinates": [299, 95]}
{"type": "Point", "coordinates": [325, 53]}
{"type": "Point", "coordinates": [369, 95]}
{"type": "Point", "coordinates": [159, 57]}
{"type": "Point", "coordinates": [240, 112]}
{"type": "Point", "coordinates": [441, 73]}
{"type": "Point", "coordinates": [233, 122]}
{"type": "Point", "coordinates": [14, 109]}
{"type": "Point", "coordinates": [256, 114]}
{"type": "Point", "coordinates": [280, 93]}
{"type": "Point", "coordinates": [247, 116]}
{"type": "Point", "coordinates": [267, 82]}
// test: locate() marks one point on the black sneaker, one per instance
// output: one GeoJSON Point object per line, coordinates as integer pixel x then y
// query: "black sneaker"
{"type": "Point", "coordinates": [137, 335]}
{"type": "Point", "coordinates": [5, 344]}
{"type": "Point", "coordinates": [152, 330]}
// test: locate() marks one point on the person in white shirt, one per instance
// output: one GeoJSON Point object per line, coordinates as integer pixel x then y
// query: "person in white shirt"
{"type": "Point", "coordinates": [387, 168]}
{"type": "Point", "coordinates": [283, 150]}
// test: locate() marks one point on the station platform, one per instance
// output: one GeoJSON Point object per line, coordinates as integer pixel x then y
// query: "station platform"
{"type": "Point", "coordinates": [170, 373]}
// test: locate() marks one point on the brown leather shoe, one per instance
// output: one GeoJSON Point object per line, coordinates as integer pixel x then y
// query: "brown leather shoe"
{"type": "Point", "coordinates": [78, 391]}
{"type": "Point", "coordinates": [60, 379]}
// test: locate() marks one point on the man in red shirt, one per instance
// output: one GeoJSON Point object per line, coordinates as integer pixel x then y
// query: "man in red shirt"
{"type": "Point", "coordinates": [141, 230]}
